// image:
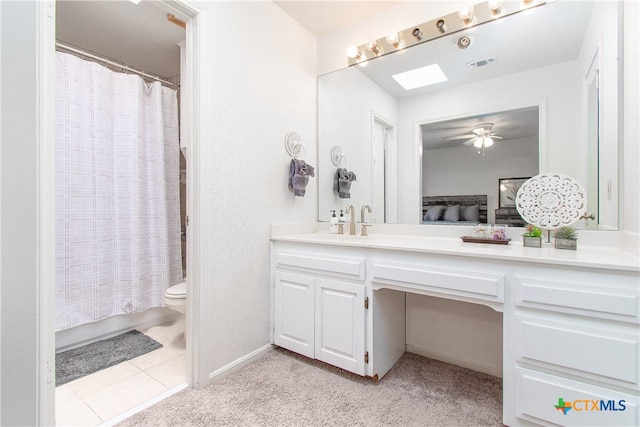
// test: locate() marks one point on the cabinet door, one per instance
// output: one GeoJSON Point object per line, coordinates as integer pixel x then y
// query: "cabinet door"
{"type": "Point", "coordinates": [293, 315]}
{"type": "Point", "coordinates": [340, 324]}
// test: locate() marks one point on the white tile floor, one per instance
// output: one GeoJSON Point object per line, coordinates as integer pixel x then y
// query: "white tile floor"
{"type": "Point", "coordinates": [96, 398]}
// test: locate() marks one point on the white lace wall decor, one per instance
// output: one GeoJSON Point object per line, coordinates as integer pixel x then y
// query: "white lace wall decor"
{"type": "Point", "coordinates": [551, 200]}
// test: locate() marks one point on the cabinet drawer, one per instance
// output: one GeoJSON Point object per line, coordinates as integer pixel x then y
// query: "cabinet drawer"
{"type": "Point", "coordinates": [539, 395]}
{"type": "Point", "coordinates": [348, 266]}
{"type": "Point", "coordinates": [443, 281]}
{"type": "Point", "coordinates": [606, 302]}
{"type": "Point", "coordinates": [603, 354]}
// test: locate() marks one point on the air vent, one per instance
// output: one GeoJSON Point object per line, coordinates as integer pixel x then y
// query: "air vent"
{"type": "Point", "coordinates": [481, 63]}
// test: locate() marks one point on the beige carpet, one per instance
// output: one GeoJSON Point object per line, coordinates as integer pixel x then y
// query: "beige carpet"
{"type": "Point", "coordinates": [284, 389]}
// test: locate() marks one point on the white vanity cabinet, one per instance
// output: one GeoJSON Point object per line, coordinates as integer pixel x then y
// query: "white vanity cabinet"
{"type": "Point", "coordinates": [576, 341]}
{"type": "Point", "coordinates": [319, 306]}
{"type": "Point", "coordinates": [571, 319]}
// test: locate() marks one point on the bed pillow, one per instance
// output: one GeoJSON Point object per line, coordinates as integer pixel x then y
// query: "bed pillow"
{"type": "Point", "coordinates": [471, 213]}
{"type": "Point", "coordinates": [452, 213]}
{"type": "Point", "coordinates": [433, 213]}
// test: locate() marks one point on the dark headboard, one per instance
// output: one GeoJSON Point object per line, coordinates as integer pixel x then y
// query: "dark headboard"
{"type": "Point", "coordinates": [480, 200]}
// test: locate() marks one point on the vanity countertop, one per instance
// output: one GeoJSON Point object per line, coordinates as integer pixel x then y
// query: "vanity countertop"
{"type": "Point", "coordinates": [584, 256]}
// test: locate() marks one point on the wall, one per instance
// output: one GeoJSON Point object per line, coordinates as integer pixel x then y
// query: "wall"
{"type": "Point", "coordinates": [465, 334]}
{"type": "Point", "coordinates": [19, 227]}
{"type": "Point", "coordinates": [365, 97]}
{"type": "Point", "coordinates": [477, 174]}
{"type": "Point", "coordinates": [257, 87]}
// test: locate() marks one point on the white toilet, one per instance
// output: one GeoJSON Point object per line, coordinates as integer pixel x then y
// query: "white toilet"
{"type": "Point", "coordinates": [176, 297]}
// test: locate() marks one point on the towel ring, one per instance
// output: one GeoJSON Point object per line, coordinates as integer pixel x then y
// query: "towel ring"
{"type": "Point", "coordinates": [293, 144]}
{"type": "Point", "coordinates": [337, 156]}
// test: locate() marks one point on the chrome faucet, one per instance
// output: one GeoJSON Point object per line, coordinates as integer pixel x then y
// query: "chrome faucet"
{"type": "Point", "coordinates": [352, 226]}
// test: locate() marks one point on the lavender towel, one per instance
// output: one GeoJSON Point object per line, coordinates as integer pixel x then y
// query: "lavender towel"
{"type": "Point", "coordinates": [299, 173]}
{"type": "Point", "coordinates": [342, 183]}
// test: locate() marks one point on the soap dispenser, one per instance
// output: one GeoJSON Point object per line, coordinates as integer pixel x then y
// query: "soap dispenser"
{"type": "Point", "coordinates": [333, 221]}
{"type": "Point", "coordinates": [341, 218]}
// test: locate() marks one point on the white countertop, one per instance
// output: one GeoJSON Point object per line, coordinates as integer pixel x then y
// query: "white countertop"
{"type": "Point", "coordinates": [448, 242]}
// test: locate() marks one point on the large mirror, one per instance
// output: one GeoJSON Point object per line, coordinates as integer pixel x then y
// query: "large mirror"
{"type": "Point", "coordinates": [541, 85]}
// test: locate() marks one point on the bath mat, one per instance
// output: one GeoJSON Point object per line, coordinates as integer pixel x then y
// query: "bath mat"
{"type": "Point", "coordinates": [81, 361]}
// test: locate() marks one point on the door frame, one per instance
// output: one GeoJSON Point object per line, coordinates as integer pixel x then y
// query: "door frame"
{"type": "Point", "coordinates": [196, 375]}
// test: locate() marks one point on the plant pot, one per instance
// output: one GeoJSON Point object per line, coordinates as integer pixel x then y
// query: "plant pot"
{"type": "Point", "coordinates": [532, 242]}
{"type": "Point", "coordinates": [566, 244]}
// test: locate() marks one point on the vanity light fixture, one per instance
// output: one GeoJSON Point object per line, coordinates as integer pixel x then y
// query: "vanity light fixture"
{"type": "Point", "coordinates": [394, 40]}
{"type": "Point", "coordinates": [466, 14]}
{"type": "Point", "coordinates": [375, 48]}
{"type": "Point", "coordinates": [464, 19]}
{"type": "Point", "coordinates": [359, 57]}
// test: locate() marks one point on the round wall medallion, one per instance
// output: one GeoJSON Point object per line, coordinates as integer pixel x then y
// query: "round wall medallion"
{"type": "Point", "coordinates": [551, 200]}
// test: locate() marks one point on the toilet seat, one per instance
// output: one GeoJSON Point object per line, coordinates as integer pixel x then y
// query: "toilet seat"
{"type": "Point", "coordinates": [178, 291]}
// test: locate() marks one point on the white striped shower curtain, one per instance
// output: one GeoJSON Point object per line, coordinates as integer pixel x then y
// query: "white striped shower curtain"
{"type": "Point", "coordinates": [117, 193]}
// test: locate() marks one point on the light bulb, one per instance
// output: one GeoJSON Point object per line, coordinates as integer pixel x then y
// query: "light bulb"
{"type": "Point", "coordinates": [392, 38]}
{"type": "Point", "coordinates": [495, 5]}
{"type": "Point", "coordinates": [466, 13]}
{"type": "Point", "coordinates": [478, 142]}
{"type": "Point", "coordinates": [352, 52]}
{"type": "Point", "coordinates": [488, 142]}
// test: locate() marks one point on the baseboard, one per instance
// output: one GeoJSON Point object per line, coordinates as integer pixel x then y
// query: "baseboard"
{"type": "Point", "coordinates": [465, 363]}
{"type": "Point", "coordinates": [239, 363]}
{"type": "Point", "coordinates": [68, 339]}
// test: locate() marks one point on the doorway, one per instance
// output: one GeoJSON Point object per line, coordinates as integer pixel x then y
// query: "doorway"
{"type": "Point", "coordinates": [185, 11]}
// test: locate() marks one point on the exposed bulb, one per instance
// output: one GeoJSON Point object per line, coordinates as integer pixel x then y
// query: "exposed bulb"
{"type": "Point", "coordinates": [466, 13]}
{"type": "Point", "coordinates": [352, 52]}
{"type": "Point", "coordinates": [392, 38]}
{"type": "Point", "coordinates": [495, 5]}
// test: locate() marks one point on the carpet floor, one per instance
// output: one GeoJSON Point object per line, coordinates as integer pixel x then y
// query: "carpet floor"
{"type": "Point", "coordinates": [285, 389]}
{"type": "Point", "coordinates": [85, 360]}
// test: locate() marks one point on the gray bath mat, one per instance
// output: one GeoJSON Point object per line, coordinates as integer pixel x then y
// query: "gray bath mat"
{"type": "Point", "coordinates": [81, 361]}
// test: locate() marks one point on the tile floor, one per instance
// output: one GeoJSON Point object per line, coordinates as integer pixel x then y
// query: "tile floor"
{"type": "Point", "coordinates": [99, 397]}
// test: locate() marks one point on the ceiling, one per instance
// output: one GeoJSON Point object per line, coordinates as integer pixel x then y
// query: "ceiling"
{"type": "Point", "coordinates": [136, 35]}
{"type": "Point", "coordinates": [320, 17]}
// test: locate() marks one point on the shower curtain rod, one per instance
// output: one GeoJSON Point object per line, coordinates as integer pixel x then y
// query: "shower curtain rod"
{"type": "Point", "coordinates": [107, 61]}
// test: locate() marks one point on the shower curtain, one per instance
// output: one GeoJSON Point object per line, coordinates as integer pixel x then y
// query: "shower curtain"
{"type": "Point", "coordinates": [117, 193]}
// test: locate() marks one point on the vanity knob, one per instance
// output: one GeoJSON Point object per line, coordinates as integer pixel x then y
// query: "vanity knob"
{"type": "Point", "coordinates": [363, 230]}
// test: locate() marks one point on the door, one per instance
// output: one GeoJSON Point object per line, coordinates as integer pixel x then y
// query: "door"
{"type": "Point", "coordinates": [339, 335]}
{"type": "Point", "coordinates": [293, 312]}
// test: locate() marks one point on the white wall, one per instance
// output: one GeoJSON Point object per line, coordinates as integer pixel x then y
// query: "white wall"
{"type": "Point", "coordinates": [19, 192]}
{"type": "Point", "coordinates": [345, 99]}
{"type": "Point", "coordinates": [457, 332]}
{"type": "Point", "coordinates": [461, 170]}
{"type": "Point", "coordinates": [258, 86]}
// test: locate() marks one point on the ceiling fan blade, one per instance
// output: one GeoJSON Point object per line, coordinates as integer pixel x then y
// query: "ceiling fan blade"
{"type": "Point", "coordinates": [469, 142]}
{"type": "Point", "coordinates": [453, 138]}
{"type": "Point", "coordinates": [493, 136]}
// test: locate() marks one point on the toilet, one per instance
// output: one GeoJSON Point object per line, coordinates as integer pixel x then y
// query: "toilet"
{"type": "Point", "coordinates": [176, 297]}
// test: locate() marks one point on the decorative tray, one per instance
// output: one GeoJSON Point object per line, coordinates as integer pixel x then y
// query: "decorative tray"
{"type": "Point", "coordinates": [471, 239]}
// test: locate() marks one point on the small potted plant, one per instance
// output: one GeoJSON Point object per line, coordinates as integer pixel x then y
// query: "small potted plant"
{"type": "Point", "coordinates": [533, 237]}
{"type": "Point", "coordinates": [566, 238]}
